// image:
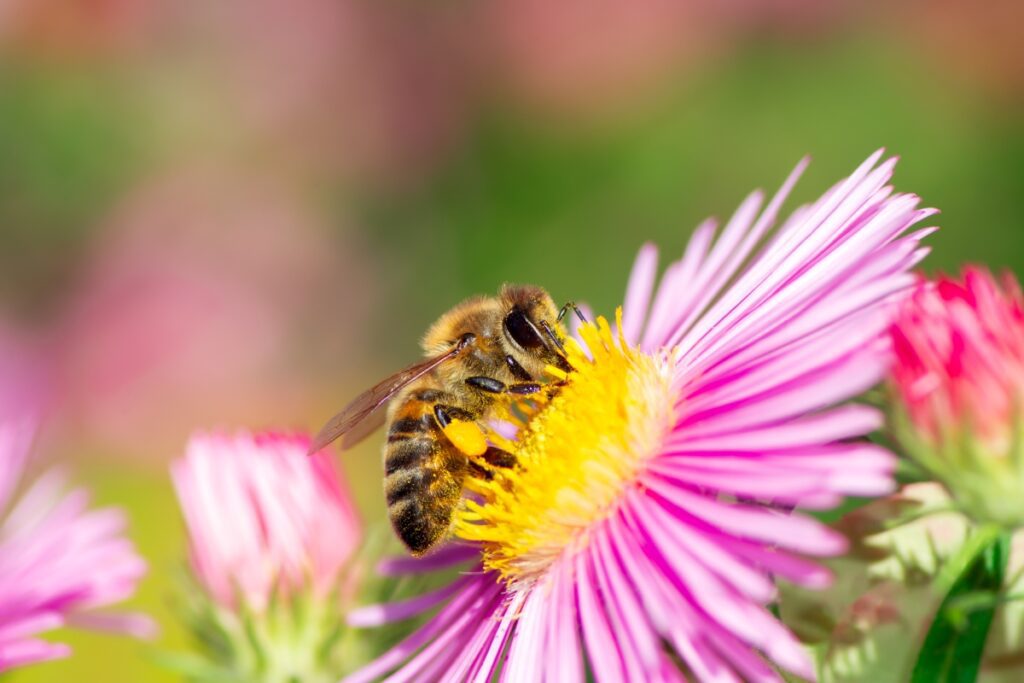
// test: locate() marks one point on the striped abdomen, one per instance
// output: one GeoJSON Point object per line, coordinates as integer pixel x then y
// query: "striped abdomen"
{"type": "Point", "coordinates": [423, 471]}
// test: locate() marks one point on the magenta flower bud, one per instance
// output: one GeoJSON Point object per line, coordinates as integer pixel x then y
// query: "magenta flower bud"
{"type": "Point", "coordinates": [958, 389]}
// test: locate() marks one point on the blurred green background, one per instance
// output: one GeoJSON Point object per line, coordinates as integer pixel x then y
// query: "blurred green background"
{"type": "Point", "coordinates": [240, 213]}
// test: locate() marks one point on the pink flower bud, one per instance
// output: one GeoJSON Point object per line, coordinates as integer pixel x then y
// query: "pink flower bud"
{"type": "Point", "coordinates": [263, 516]}
{"type": "Point", "coordinates": [960, 355]}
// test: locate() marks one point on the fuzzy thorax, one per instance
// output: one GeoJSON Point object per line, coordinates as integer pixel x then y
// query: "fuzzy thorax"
{"type": "Point", "coordinates": [577, 452]}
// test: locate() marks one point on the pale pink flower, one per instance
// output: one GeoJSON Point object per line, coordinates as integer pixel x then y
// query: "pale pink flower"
{"type": "Point", "coordinates": [59, 560]}
{"type": "Point", "coordinates": [262, 516]}
{"type": "Point", "coordinates": [201, 291]}
{"type": "Point", "coordinates": [643, 525]}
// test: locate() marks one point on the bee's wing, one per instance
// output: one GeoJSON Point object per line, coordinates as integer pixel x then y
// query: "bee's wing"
{"type": "Point", "coordinates": [363, 416]}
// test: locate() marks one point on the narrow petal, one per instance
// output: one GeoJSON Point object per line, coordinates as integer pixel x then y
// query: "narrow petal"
{"type": "Point", "coordinates": [377, 615]}
{"type": "Point", "coordinates": [638, 292]}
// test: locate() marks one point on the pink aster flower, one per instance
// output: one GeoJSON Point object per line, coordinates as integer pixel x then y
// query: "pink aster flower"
{"type": "Point", "coordinates": [59, 560]}
{"type": "Point", "coordinates": [641, 527]}
{"type": "Point", "coordinates": [958, 382]}
{"type": "Point", "coordinates": [272, 532]}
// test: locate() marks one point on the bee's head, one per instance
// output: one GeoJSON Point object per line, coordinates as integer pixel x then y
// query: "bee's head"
{"type": "Point", "coordinates": [529, 315]}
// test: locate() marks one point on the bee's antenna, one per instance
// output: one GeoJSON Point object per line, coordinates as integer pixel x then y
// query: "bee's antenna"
{"type": "Point", "coordinates": [552, 336]}
{"type": "Point", "coordinates": [576, 310]}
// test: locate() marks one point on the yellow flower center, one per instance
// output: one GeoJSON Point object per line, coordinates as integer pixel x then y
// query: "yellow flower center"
{"type": "Point", "coordinates": [577, 451]}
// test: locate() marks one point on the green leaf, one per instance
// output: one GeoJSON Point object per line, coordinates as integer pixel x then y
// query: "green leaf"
{"type": "Point", "coordinates": [954, 645]}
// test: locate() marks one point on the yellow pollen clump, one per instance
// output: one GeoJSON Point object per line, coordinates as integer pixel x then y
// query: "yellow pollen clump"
{"type": "Point", "coordinates": [576, 452]}
{"type": "Point", "coordinates": [466, 436]}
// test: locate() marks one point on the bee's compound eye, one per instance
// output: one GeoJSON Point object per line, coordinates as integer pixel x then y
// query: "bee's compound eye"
{"type": "Point", "coordinates": [522, 330]}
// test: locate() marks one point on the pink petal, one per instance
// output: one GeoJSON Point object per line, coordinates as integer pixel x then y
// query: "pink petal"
{"type": "Point", "coordinates": [638, 292]}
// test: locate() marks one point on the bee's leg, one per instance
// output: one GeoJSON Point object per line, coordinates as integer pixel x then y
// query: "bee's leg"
{"type": "Point", "coordinates": [461, 429]}
{"type": "Point", "coordinates": [524, 388]}
{"type": "Point", "coordinates": [495, 458]}
{"type": "Point", "coordinates": [488, 384]}
{"type": "Point", "coordinates": [444, 414]}
{"type": "Point", "coordinates": [499, 458]}
{"type": "Point", "coordinates": [494, 386]}
{"type": "Point", "coordinates": [480, 472]}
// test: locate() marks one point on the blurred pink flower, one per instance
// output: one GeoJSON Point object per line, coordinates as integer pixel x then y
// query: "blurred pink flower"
{"type": "Point", "coordinates": [579, 53]}
{"type": "Point", "coordinates": [58, 559]}
{"type": "Point", "coordinates": [24, 375]}
{"type": "Point", "coordinates": [371, 91]}
{"type": "Point", "coordinates": [263, 516]}
{"type": "Point", "coordinates": [73, 29]}
{"type": "Point", "coordinates": [793, 18]}
{"type": "Point", "coordinates": [978, 41]}
{"type": "Point", "coordinates": [588, 57]}
{"type": "Point", "coordinates": [201, 293]}
{"type": "Point", "coordinates": [960, 356]}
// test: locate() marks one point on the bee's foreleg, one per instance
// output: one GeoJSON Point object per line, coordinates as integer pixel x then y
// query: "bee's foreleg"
{"type": "Point", "coordinates": [494, 386]}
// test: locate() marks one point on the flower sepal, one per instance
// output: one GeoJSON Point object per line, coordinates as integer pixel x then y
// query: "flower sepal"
{"type": "Point", "coordinates": [984, 478]}
{"type": "Point", "coordinates": [298, 636]}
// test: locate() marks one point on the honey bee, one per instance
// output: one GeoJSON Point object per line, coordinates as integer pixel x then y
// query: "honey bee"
{"type": "Point", "coordinates": [480, 350]}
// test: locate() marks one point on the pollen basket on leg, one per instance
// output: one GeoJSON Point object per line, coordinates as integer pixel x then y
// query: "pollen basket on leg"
{"type": "Point", "coordinates": [576, 455]}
